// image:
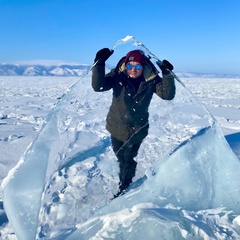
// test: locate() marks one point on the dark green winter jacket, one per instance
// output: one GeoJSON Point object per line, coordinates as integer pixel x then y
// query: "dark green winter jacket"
{"type": "Point", "coordinates": [128, 113]}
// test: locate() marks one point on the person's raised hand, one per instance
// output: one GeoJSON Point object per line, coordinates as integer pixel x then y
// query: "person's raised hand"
{"type": "Point", "coordinates": [103, 54]}
{"type": "Point", "coordinates": [165, 65]}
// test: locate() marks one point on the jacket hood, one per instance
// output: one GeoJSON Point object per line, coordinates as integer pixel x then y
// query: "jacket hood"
{"type": "Point", "coordinates": [149, 71]}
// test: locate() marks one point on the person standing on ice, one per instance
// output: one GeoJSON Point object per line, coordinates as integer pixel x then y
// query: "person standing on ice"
{"type": "Point", "coordinates": [133, 82]}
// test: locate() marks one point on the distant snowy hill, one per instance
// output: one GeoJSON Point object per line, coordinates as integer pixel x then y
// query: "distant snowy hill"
{"type": "Point", "coordinates": [43, 70]}
{"type": "Point", "coordinates": [204, 75]}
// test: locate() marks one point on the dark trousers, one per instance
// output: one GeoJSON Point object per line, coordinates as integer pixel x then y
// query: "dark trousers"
{"type": "Point", "coordinates": [125, 152]}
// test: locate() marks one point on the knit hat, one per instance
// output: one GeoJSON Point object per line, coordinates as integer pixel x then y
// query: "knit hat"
{"type": "Point", "coordinates": [136, 56]}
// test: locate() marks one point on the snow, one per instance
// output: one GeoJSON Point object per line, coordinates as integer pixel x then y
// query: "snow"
{"type": "Point", "coordinates": [186, 185]}
{"type": "Point", "coordinates": [25, 102]}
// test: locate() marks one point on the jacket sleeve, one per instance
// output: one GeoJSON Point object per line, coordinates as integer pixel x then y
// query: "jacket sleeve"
{"type": "Point", "coordinates": [100, 81]}
{"type": "Point", "coordinates": [166, 88]}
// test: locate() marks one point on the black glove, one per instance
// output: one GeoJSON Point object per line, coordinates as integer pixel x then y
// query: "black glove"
{"type": "Point", "coordinates": [165, 66]}
{"type": "Point", "coordinates": [102, 55]}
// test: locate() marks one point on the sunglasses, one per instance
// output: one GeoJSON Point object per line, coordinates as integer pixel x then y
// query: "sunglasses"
{"type": "Point", "coordinates": [129, 66]}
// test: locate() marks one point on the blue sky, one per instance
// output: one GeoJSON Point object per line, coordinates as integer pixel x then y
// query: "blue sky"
{"type": "Point", "coordinates": [195, 35]}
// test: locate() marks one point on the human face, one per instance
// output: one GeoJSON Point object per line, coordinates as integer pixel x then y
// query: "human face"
{"type": "Point", "coordinates": [134, 73]}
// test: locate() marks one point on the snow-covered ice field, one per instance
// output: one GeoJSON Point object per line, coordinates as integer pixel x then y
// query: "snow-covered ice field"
{"type": "Point", "coordinates": [26, 101]}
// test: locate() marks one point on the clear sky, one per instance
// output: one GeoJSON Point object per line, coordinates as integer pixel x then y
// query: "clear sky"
{"type": "Point", "coordinates": [195, 35]}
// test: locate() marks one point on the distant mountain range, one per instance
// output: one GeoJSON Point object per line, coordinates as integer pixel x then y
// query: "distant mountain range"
{"type": "Point", "coordinates": [205, 75]}
{"type": "Point", "coordinates": [43, 70]}
{"type": "Point", "coordinates": [76, 70]}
